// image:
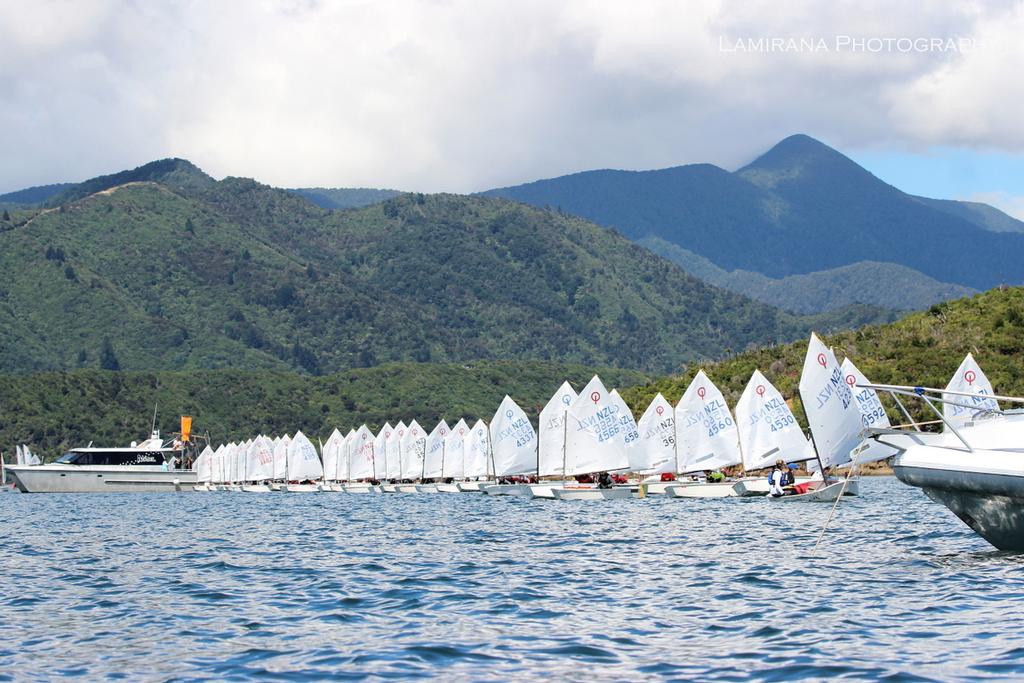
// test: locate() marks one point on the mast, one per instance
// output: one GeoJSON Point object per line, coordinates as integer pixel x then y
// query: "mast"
{"type": "Point", "coordinates": [821, 466]}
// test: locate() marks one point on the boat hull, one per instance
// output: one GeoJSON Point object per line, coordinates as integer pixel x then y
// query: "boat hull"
{"type": "Point", "coordinates": [303, 488]}
{"type": "Point", "coordinates": [618, 493]}
{"type": "Point", "coordinates": [99, 479]}
{"type": "Point", "coordinates": [992, 504]}
{"type": "Point", "coordinates": [474, 486]}
{"type": "Point", "coordinates": [448, 488]}
{"type": "Point", "coordinates": [509, 490]}
{"type": "Point", "coordinates": [725, 489]}
{"type": "Point", "coordinates": [822, 494]}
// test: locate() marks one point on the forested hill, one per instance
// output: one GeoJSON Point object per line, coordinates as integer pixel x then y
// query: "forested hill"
{"type": "Point", "coordinates": [58, 410]}
{"type": "Point", "coordinates": [922, 349]}
{"type": "Point", "coordinates": [163, 268]}
{"type": "Point", "coordinates": [801, 208]}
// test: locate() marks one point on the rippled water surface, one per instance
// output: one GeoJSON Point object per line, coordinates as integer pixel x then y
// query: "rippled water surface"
{"type": "Point", "coordinates": [232, 586]}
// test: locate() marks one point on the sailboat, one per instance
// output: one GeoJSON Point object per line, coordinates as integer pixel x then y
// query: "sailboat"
{"type": "Point", "coordinates": [330, 451]}
{"type": "Point", "coordinates": [657, 427]}
{"type": "Point", "coordinates": [362, 471]}
{"type": "Point", "coordinates": [600, 435]}
{"type": "Point", "coordinates": [872, 416]}
{"type": "Point", "coordinates": [767, 432]}
{"type": "Point", "coordinates": [433, 459]}
{"type": "Point", "coordinates": [513, 448]}
{"type": "Point", "coordinates": [453, 465]}
{"type": "Point", "coordinates": [393, 454]}
{"type": "Point", "coordinates": [414, 446]}
{"type": "Point", "coordinates": [477, 449]}
{"type": "Point", "coordinates": [969, 396]}
{"type": "Point", "coordinates": [832, 416]}
{"type": "Point", "coordinates": [707, 439]}
{"type": "Point", "coordinates": [304, 466]}
{"type": "Point", "coordinates": [259, 465]}
{"type": "Point", "coordinates": [380, 455]}
{"type": "Point", "coordinates": [281, 463]}
{"type": "Point", "coordinates": [203, 467]}
{"type": "Point", "coordinates": [551, 441]}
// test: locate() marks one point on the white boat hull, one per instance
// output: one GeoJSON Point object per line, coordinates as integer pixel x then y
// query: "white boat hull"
{"type": "Point", "coordinates": [406, 488]}
{"type": "Point", "coordinates": [618, 493]}
{"type": "Point", "coordinates": [725, 489]}
{"type": "Point", "coordinates": [474, 486]}
{"type": "Point", "coordinates": [358, 488]}
{"type": "Point", "coordinates": [257, 488]}
{"type": "Point", "coordinates": [448, 488]}
{"type": "Point", "coordinates": [509, 490]}
{"type": "Point", "coordinates": [303, 488]}
{"type": "Point", "coordinates": [822, 494]}
{"type": "Point", "coordinates": [426, 488]}
{"type": "Point", "coordinates": [388, 488]}
{"type": "Point", "coordinates": [54, 478]}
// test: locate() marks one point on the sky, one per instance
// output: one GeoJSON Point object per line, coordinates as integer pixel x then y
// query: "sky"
{"type": "Point", "coordinates": [465, 95]}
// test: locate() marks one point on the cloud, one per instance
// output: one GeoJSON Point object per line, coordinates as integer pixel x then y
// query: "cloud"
{"type": "Point", "coordinates": [459, 95]}
{"type": "Point", "coordinates": [1010, 204]}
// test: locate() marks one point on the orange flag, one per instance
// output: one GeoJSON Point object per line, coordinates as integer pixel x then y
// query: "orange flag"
{"type": "Point", "coordinates": [186, 427]}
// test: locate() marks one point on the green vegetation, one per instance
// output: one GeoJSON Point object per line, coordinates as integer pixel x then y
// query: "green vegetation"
{"type": "Point", "coordinates": [344, 197]}
{"type": "Point", "coordinates": [800, 208]}
{"type": "Point", "coordinates": [923, 349]}
{"type": "Point", "coordinates": [55, 411]}
{"type": "Point", "coordinates": [163, 268]}
{"type": "Point", "coordinates": [869, 282]}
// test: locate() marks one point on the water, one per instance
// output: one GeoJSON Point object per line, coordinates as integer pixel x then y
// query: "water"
{"type": "Point", "coordinates": [466, 587]}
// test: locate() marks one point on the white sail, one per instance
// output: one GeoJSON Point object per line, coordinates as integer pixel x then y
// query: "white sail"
{"type": "Point", "coordinates": [362, 465]}
{"type": "Point", "coordinates": [30, 457]}
{"type": "Point", "coordinates": [345, 456]}
{"type": "Point", "coordinates": [551, 431]}
{"type": "Point", "coordinates": [706, 431]}
{"type": "Point", "coordinates": [477, 447]}
{"type": "Point", "coordinates": [872, 415]}
{"type": "Point", "coordinates": [598, 436]}
{"type": "Point", "coordinates": [433, 462]}
{"type": "Point", "coordinates": [236, 466]}
{"type": "Point", "coordinates": [281, 458]}
{"type": "Point", "coordinates": [968, 379]}
{"type": "Point", "coordinates": [331, 454]}
{"type": "Point", "coordinates": [414, 446]}
{"type": "Point", "coordinates": [455, 452]}
{"type": "Point", "coordinates": [637, 461]}
{"type": "Point", "coordinates": [303, 461]}
{"type": "Point", "coordinates": [513, 441]}
{"type": "Point", "coordinates": [657, 427]}
{"type": "Point", "coordinates": [380, 452]}
{"type": "Point", "coordinates": [394, 451]}
{"type": "Point", "coordinates": [832, 414]}
{"type": "Point", "coordinates": [203, 466]}
{"type": "Point", "coordinates": [259, 458]}
{"type": "Point", "coordinates": [766, 426]}
{"type": "Point", "coordinates": [19, 455]}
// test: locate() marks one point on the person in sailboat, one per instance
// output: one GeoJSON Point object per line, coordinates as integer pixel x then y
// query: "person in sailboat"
{"type": "Point", "coordinates": [776, 479]}
{"type": "Point", "coordinates": [714, 476]}
{"type": "Point", "coordinates": [604, 481]}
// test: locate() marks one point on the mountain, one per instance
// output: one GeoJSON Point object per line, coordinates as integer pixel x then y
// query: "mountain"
{"type": "Point", "coordinates": [982, 215]}
{"type": "Point", "coordinates": [800, 208]}
{"type": "Point", "coordinates": [886, 284]}
{"type": "Point", "coordinates": [162, 267]}
{"type": "Point", "coordinates": [344, 198]}
{"type": "Point", "coordinates": [34, 195]}
{"type": "Point", "coordinates": [922, 349]}
{"type": "Point", "coordinates": [59, 410]}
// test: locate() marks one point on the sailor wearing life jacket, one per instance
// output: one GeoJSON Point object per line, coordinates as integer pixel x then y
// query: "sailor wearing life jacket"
{"type": "Point", "coordinates": [776, 480]}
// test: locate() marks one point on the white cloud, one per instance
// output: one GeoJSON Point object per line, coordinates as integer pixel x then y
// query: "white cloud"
{"type": "Point", "coordinates": [460, 95]}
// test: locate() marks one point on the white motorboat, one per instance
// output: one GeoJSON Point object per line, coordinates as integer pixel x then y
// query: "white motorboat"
{"type": "Point", "coordinates": [975, 469]}
{"type": "Point", "coordinates": [615, 493]}
{"type": "Point", "coordinates": [146, 467]}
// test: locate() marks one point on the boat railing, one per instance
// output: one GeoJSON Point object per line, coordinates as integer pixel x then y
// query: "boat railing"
{"type": "Point", "coordinates": [932, 396]}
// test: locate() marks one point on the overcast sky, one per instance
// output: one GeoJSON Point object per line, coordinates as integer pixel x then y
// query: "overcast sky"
{"type": "Point", "coordinates": [462, 96]}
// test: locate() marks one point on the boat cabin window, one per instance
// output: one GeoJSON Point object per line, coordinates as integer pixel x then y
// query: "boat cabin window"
{"type": "Point", "coordinates": [111, 458]}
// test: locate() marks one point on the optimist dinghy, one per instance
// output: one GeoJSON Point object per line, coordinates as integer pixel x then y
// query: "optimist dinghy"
{"type": "Point", "coordinates": [615, 493]}
{"type": "Point", "coordinates": [821, 494]}
{"type": "Point", "coordinates": [698, 489]}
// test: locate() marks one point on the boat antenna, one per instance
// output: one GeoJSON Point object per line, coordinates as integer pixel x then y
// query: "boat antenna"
{"type": "Point", "coordinates": [153, 426]}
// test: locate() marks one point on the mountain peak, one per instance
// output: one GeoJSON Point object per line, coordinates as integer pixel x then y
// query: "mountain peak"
{"type": "Point", "coordinates": [179, 174]}
{"type": "Point", "coordinates": [797, 157]}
